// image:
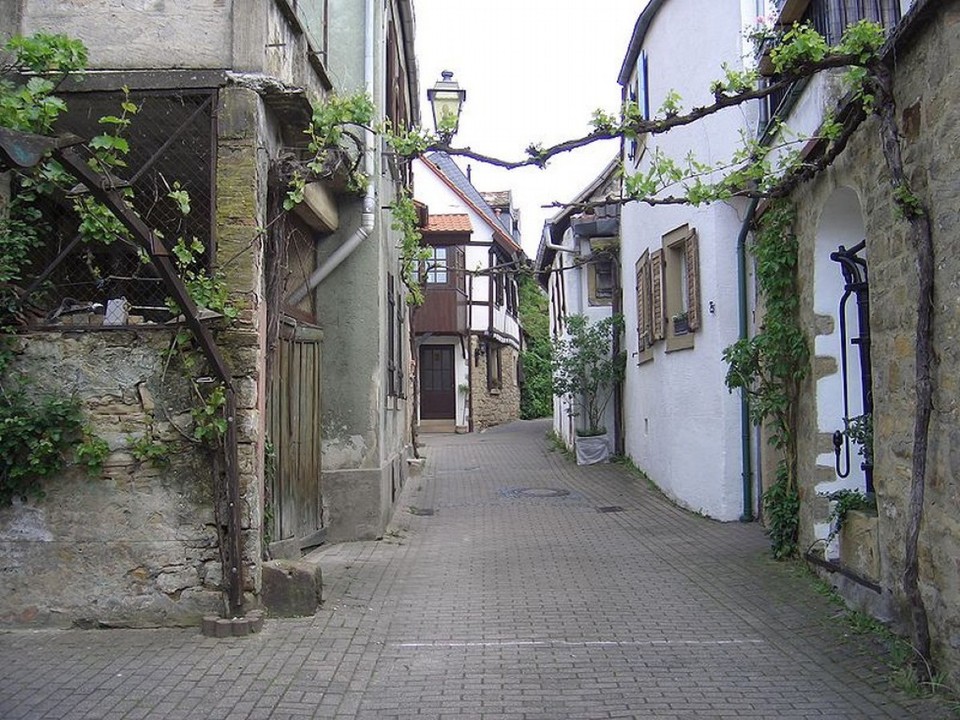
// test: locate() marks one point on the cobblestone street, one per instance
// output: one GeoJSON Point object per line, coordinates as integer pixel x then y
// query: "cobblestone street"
{"type": "Point", "coordinates": [513, 584]}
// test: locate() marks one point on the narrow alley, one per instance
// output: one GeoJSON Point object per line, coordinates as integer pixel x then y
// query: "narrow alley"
{"type": "Point", "coordinates": [512, 584]}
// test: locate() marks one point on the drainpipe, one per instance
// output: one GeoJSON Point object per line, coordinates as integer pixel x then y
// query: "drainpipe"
{"type": "Point", "coordinates": [368, 213]}
{"type": "Point", "coordinates": [745, 456]}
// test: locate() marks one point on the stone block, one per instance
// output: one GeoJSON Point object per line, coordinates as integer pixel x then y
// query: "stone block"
{"type": "Point", "coordinates": [860, 544]}
{"type": "Point", "coordinates": [291, 588]}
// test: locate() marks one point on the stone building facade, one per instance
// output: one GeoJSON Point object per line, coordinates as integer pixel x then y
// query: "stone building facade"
{"type": "Point", "coordinates": [852, 201]}
{"type": "Point", "coordinates": [253, 69]}
{"type": "Point", "coordinates": [492, 405]}
{"type": "Point", "coordinates": [135, 544]}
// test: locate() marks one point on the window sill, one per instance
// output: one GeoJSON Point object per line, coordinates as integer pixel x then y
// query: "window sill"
{"type": "Point", "coordinates": [680, 342]}
{"type": "Point", "coordinates": [645, 356]}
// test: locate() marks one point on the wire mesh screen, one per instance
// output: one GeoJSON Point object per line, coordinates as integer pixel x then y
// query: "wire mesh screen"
{"type": "Point", "coordinates": [76, 282]}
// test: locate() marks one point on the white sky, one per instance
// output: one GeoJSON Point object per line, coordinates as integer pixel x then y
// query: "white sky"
{"type": "Point", "coordinates": [534, 71]}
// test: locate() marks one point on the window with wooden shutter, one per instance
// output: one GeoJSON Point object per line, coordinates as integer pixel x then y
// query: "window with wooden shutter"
{"type": "Point", "coordinates": [644, 309]}
{"type": "Point", "coordinates": [692, 255]}
{"type": "Point", "coordinates": [656, 294]}
{"type": "Point", "coordinates": [392, 339]}
{"type": "Point", "coordinates": [681, 287]}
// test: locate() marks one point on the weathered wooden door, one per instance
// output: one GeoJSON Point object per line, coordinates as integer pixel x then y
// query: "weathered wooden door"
{"type": "Point", "coordinates": [294, 503]}
{"type": "Point", "coordinates": [438, 396]}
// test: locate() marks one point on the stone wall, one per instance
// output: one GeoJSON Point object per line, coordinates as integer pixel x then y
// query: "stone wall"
{"type": "Point", "coordinates": [136, 544]}
{"type": "Point", "coordinates": [139, 544]}
{"type": "Point", "coordinates": [489, 407]}
{"type": "Point", "coordinates": [927, 83]}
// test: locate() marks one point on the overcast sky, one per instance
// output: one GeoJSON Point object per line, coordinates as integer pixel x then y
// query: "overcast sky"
{"type": "Point", "coordinates": [534, 71]}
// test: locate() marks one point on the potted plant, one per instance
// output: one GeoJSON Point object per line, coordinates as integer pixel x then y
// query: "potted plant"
{"type": "Point", "coordinates": [681, 323]}
{"type": "Point", "coordinates": [586, 370]}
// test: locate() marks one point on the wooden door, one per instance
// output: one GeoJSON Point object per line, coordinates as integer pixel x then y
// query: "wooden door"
{"type": "Point", "coordinates": [294, 507]}
{"type": "Point", "coordinates": [438, 394]}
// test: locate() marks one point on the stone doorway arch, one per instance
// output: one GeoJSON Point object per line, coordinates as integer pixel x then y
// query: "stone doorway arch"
{"type": "Point", "coordinates": [841, 224]}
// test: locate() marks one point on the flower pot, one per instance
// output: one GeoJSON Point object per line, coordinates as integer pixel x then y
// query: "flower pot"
{"type": "Point", "coordinates": [593, 449]}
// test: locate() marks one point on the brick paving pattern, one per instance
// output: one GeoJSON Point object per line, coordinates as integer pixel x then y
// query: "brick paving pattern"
{"type": "Point", "coordinates": [502, 590]}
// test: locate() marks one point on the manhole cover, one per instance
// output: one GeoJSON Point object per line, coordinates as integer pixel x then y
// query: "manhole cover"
{"type": "Point", "coordinates": [537, 492]}
{"type": "Point", "coordinates": [610, 509]}
{"type": "Point", "coordinates": [420, 511]}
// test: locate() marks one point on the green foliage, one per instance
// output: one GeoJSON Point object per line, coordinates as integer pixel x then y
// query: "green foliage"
{"type": "Point", "coordinates": [91, 451]}
{"type": "Point", "coordinates": [32, 106]}
{"type": "Point", "coordinates": [734, 81]}
{"type": "Point", "coordinates": [585, 368]}
{"type": "Point", "coordinates": [860, 430]}
{"type": "Point", "coordinates": [209, 421]}
{"type": "Point", "coordinates": [46, 53]}
{"type": "Point", "coordinates": [671, 106]}
{"type": "Point", "coordinates": [208, 290]}
{"type": "Point", "coordinates": [36, 435]}
{"type": "Point", "coordinates": [536, 392]}
{"type": "Point", "coordinates": [862, 39]}
{"type": "Point", "coordinates": [781, 503]}
{"type": "Point", "coordinates": [145, 449]}
{"type": "Point", "coordinates": [769, 366]}
{"type": "Point", "coordinates": [412, 253]}
{"type": "Point", "coordinates": [843, 502]}
{"type": "Point", "coordinates": [111, 147]}
{"type": "Point", "coordinates": [908, 205]}
{"type": "Point", "coordinates": [801, 45]}
{"type": "Point", "coordinates": [37, 430]}
{"type": "Point", "coordinates": [604, 122]}
{"type": "Point", "coordinates": [408, 143]}
{"type": "Point", "coordinates": [334, 129]}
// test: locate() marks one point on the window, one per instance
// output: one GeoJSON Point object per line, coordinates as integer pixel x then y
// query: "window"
{"type": "Point", "coordinates": [395, 321]}
{"type": "Point", "coordinates": [494, 365]}
{"type": "Point", "coordinates": [640, 94]}
{"type": "Point", "coordinates": [437, 272]}
{"type": "Point", "coordinates": [600, 282]}
{"type": "Point", "coordinates": [649, 303]}
{"type": "Point", "coordinates": [498, 287]}
{"type": "Point", "coordinates": [668, 293]}
{"type": "Point", "coordinates": [511, 291]}
{"type": "Point", "coordinates": [392, 339]}
{"type": "Point", "coordinates": [681, 287]}
{"type": "Point", "coordinates": [831, 17]}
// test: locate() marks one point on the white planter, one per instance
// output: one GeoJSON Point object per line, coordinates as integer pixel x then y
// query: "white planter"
{"type": "Point", "coordinates": [592, 450]}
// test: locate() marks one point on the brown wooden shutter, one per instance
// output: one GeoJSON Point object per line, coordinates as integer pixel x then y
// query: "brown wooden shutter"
{"type": "Point", "coordinates": [643, 303]}
{"type": "Point", "coordinates": [656, 293]}
{"type": "Point", "coordinates": [692, 252]}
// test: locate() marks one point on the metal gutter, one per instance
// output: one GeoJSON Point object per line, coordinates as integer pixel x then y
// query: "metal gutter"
{"type": "Point", "coordinates": [746, 464]}
{"type": "Point", "coordinates": [368, 213]}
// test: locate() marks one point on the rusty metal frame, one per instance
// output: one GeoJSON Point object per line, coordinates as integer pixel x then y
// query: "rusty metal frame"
{"type": "Point", "coordinates": [25, 150]}
{"type": "Point", "coordinates": [102, 188]}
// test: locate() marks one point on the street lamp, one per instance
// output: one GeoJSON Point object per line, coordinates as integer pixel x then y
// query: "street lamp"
{"type": "Point", "coordinates": [446, 98]}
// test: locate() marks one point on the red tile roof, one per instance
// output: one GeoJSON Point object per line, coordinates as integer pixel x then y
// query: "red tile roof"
{"type": "Point", "coordinates": [448, 223]}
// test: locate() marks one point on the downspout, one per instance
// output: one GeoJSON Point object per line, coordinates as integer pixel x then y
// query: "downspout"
{"type": "Point", "coordinates": [560, 248]}
{"type": "Point", "coordinates": [491, 299]}
{"type": "Point", "coordinates": [368, 213]}
{"type": "Point", "coordinates": [746, 464]}
{"type": "Point", "coordinates": [471, 364]}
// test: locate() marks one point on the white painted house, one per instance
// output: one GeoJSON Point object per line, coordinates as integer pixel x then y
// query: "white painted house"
{"type": "Point", "coordinates": [577, 266]}
{"type": "Point", "coordinates": [468, 330]}
{"type": "Point", "coordinates": [682, 297]}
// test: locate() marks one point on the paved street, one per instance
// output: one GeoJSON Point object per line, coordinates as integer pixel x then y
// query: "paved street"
{"type": "Point", "coordinates": [512, 585]}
